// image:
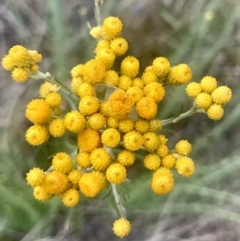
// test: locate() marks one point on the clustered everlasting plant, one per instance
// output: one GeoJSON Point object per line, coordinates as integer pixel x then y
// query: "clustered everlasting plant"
{"type": "Point", "coordinates": [114, 118]}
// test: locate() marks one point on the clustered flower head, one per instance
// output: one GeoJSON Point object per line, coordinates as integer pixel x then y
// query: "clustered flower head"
{"type": "Point", "coordinates": [115, 117]}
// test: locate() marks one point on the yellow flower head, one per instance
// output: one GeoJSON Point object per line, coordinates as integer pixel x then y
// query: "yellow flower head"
{"type": "Point", "coordinates": [84, 89]}
{"type": "Point", "coordinates": [62, 163]}
{"type": "Point", "coordinates": [74, 121]}
{"type": "Point", "coordinates": [73, 177]}
{"type": "Point", "coordinates": [121, 227]}
{"type": "Point", "coordinates": [41, 194]}
{"type": "Point", "coordinates": [92, 183]}
{"type": "Point", "coordinates": [136, 93]}
{"type": "Point", "coordinates": [77, 71]}
{"type": "Point", "coordinates": [20, 75]}
{"type": "Point", "coordinates": [94, 71]}
{"type": "Point", "coordinates": [38, 111]}
{"type": "Point", "coordinates": [179, 74]}
{"type": "Point", "coordinates": [126, 158]}
{"type": "Point", "coordinates": [100, 159]}
{"type": "Point", "coordinates": [155, 125]}
{"type": "Point", "coordinates": [110, 137]}
{"type": "Point", "coordinates": [130, 66]}
{"type": "Point", "coordinates": [208, 84]}
{"type": "Point", "coordinates": [35, 177]}
{"type": "Point", "coordinates": [215, 112]}
{"type": "Point", "coordinates": [119, 46]}
{"type": "Point", "coordinates": [70, 198]}
{"type": "Point", "coordinates": [126, 125]}
{"type": "Point", "coordinates": [203, 100]}
{"type": "Point", "coordinates": [88, 105]}
{"type": "Point", "coordinates": [57, 128]}
{"type": "Point", "coordinates": [152, 162]}
{"type": "Point", "coordinates": [112, 122]}
{"type": "Point", "coordinates": [193, 89]}
{"type": "Point", "coordinates": [149, 77]}
{"type": "Point", "coordinates": [120, 103]}
{"type": "Point", "coordinates": [222, 95]}
{"type": "Point", "coordinates": [151, 141]}
{"type": "Point", "coordinates": [96, 32]}
{"type": "Point", "coordinates": [37, 135]}
{"type": "Point", "coordinates": [142, 125]}
{"type": "Point", "coordinates": [185, 166]}
{"type": "Point", "coordinates": [111, 28]}
{"type": "Point", "coordinates": [83, 159]}
{"type": "Point", "coordinates": [133, 141]}
{"type": "Point", "coordinates": [53, 99]}
{"type": "Point", "coordinates": [47, 88]}
{"type": "Point", "coordinates": [35, 56]}
{"type": "Point", "coordinates": [7, 63]}
{"type": "Point", "coordinates": [162, 150]}
{"type": "Point", "coordinates": [168, 161]}
{"type": "Point", "coordinates": [155, 91]}
{"type": "Point", "coordinates": [116, 173]}
{"type": "Point", "coordinates": [88, 140]}
{"type": "Point", "coordinates": [124, 82]}
{"type": "Point", "coordinates": [111, 78]}
{"type": "Point", "coordinates": [96, 121]}
{"type": "Point", "coordinates": [183, 147]}
{"type": "Point", "coordinates": [161, 67]}
{"type": "Point", "coordinates": [106, 56]}
{"type": "Point", "coordinates": [102, 44]}
{"type": "Point", "coordinates": [146, 108]}
{"type": "Point", "coordinates": [138, 82]}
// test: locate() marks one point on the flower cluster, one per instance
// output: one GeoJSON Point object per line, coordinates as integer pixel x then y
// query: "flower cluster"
{"type": "Point", "coordinates": [115, 117]}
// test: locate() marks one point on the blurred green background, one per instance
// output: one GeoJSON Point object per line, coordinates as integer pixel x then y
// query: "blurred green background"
{"type": "Point", "coordinates": [205, 35]}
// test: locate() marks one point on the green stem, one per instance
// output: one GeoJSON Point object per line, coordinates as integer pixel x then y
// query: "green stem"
{"type": "Point", "coordinates": [121, 209]}
{"type": "Point", "coordinates": [186, 114]}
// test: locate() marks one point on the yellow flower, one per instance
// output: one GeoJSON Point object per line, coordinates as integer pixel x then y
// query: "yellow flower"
{"type": "Point", "coordinates": [208, 84]}
{"type": "Point", "coordinates": [152, 162]}
{"type": "Point", "coordinates": [133, 141]}
{"type": "Point", "coordinates": [135, 92]}
{"type": "Point", "coordinates": [149, 77]}
{"type": "Point", "coordinates": [47, 88]}
{"type": "Point", "coordinates": [70, 198]}
{"type": "Point", "coordinates": [96, 32]}
{"type": "Point", "coordinates": [106, 56]}
{"type": "Point", "coordinates": [7, 63]}
{"type": "Point", "coordinates": [162, 138]}
{"type": "Point", "coordinates": [162, 150]}
{"type": "Point", "coordinates": [55, 183]}
{"type": "Point", "coordinates": [62, 162]}
{"type": "Point", "coordinates": [57, 128]}
{"type": "Point", "coordinates": [37, 135]}
{"type": "Point", "coordinates": [111, 28]}
{"type": "Point", "coordinates": [35, 177]}
{"type": "Point", "coordinates": [126, 158]}
{"type": "Point", "coordinates": [126, 125]}
{"type": "Point", "coordinates": [96, 121]}
{"type": "Point", "coordinates": [20, 75]}
{"type": "Point", "coordinates": [112, 122]}
{"type": "Point", "coordinates": [155, 125]}
{"type": "Point", "coordinates": [121, 227]}
{"type": "Point", "coordinates": [155, 91]}
{"type": "Point", "coordinates": [130, 66]}
{"type": "Point", "coordinates": [35, 56]}
{"type": "Point", "coordinates": [88, 105]}
{"type": "Point", "coordinates": [110, 137]}
{"type": "Point", "coordinates": [161, 67]}
{"type": "Point", "coordinates": [83, 159]}
{"type": "Point", "coordinates": [162, 181]}
{"type": "Point", "coordinates": [151, 141]}
{"type": "Point", "coordinates": [203, 100]}
{"type": "Point", "coordinates": [74, 121]}
{"type": "Point", "coordinates": [84, 89]}
{"type": "Point", "coordinates": [100, 159]}
{"type": "Point", "coordinates": [168, 161]}
{"type": "Point", "coordinates": [88, 140]}
{"type": "Point", "coordinates": [120, 103]}
{"type": "Point", "coordinates": [138, 82]}
{"type": "Point", "coordinates": [41, 194]}
{"type": "Point", "coordinates": [111, 78]}
{"type": "Point", "coordinates": [215, 112]}
{"type": "Point", "coordinates": [119, 46]}
{"type": "Point", "coordinates": [53, 99]}
{"type": "Point", "coordinates": [102, 44]}
{"type": "Point", "coordinates": [183, 147]}
{"type": "Point", "coordinates": [73, 177]}
{"type": "Point", "coordinates": [146, 108]}
{"type": "Point", "coordinates": [179, 74]}
{"type": "Point", "coordinates": [185, 166]}
{"type": "Point", "coordinates": [124, 82]}
{"type": "Point", "coordinates": [222, 95]}
{"type": "Point", "coordinates": [193, 89]}
{"type": "Point", "coordinates": [92, 183]}
{"type": "Point", "coordinates": [142, 126]}
{"type": "Point", "coordinates": [77, 71]}
{"type": "Point", "coordinates": [116, 173]}
{"type": "Point", "coordinates": [38, 111]}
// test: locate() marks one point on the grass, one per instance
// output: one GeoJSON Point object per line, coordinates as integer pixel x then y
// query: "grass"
{"type": "Point", "coordinates": [202, 207]}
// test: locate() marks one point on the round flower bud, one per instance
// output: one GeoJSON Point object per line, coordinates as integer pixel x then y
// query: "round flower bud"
{"type": "Point", "coordinates": [135, 92]}
{"type": "Point", "coordinates": [35, 177]}
{"type": "Point", "coordinates": [130, 66]}
{"type": "Point", "coordinates": [149, 77]}
{"type": "Point", "coordinates": [142, 126]}
{"type": "Point", "coordinates": [126, 158]}
{"type": "Point", "coordinates": [116, 173]}
{"type": "Point", "coordinates": [96, 121]}
{"type": "Point", "coordinates": [57, 128]}
{"type": "Point", "coordinates": [152, 162]}
{"type": "Point", "coordinates": [70, 198]}
{"type": "Point", "coordinates": [215, 112]}
{"type": "Point", "coordinates": [74, 177]}
{"type": "Point", "coordinates": [112, 122]}
{"type": "Point", "coordinates": [100, 159]}
{"type": "Point", "coordinates": [133, 141]}
{"type": "Point", "coordinates": [20, 56]}
{"type": "Point", "coordinates": [7, 63]}
{"type": "Point", "coordinates": [37, 135]}
{"type": "Point", "coordinates": [84, 89]}
{"type": "Point", "coordinates": [74, 121]}
{"type": "Point", "coordinates": [138, 83]}
{"type": "Point", "coordinates": [96, 32]}
{"type": "Point", "coordinates": [146, 108]}
{"type": "Point", "coordinates": [111, 78]}
{"type": "Point", "coordinates": [162, 150]}
{"type": "Point", "coordinates": [119, 46]}
{"type": "Point", "coordinates": [111, 28]}
{"type": "Point", "coordinates": [47, 88]}
{"type": "Point", "coordinates": [162, 183]}
{"type": "Point", "coordinates": [110, 137]}
{"type": "Point", "coordinates": [222, 95]}
{"type": "Point", "coordinates": [162, 138]}
{"type": "Point", "coordinates": [106, 56]}
{"type": "Point", "coordinates": [55, 183]}
{"type": "Point", "coordinates": [88, 140]}
{"type": "Point", "coordinates": [155, 125]}
{"type": "Point", "coordinates": [155, 91]}
{"type": "Point", "coordinates": [179, 74]}
{"type": "Point", "coordinates": [53, 99]}
{"type": "Point", "coordinates": [183, 147]}
{"type": "Point", "coordinates": [121, 227]}
{"type": "Point", "coordinates": [38, 111]}
{"type": "Point", "coordinates": [83, 159]}
{"type": "Point", "coordinates": [193, 89]}
{"type": "Point", "coordinates": [126, 125]}
{"type": "Point", "coordinates": [92, 183]}
{"type": "Point", "coordinates": [124, 82]}
{"type": "Point", "coordinates": [62, 162]}
{"type": "Point", "coordinates": [20, 75]}
{"type": "Point", "coordinates": [203, 100]}
{"type": "Point", "coordinates": [161, 67]}
{"type": "Point", "coordinates": [102, 44]}
{"type": "Point", "coordinates": [35, 56]}
{"type": "Point", "coordinates": [185, 166]}
{"type": "Point", "coordinates": [168, 161]}
{"type": "Point", "coordinates": [41, 194]}
{"type": "Point", "coordinates": [88, 105]}
{"type": "Point", "coordinates": [208, 84]}
{"type": "Point", "coordinates": [151, 141]}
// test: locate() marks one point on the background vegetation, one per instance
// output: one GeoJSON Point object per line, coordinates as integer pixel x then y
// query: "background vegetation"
{"type": "Point", "coordinates": [205, 35]}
